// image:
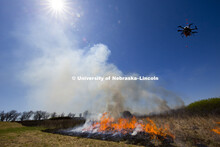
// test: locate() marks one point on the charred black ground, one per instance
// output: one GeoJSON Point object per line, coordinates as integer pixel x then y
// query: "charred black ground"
{"type": "Point", "coordinates": [141, 138]}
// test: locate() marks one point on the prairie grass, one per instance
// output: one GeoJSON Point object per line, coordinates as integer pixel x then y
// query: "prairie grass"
{"type": "Point", "coordinates": [191, 130]}
{"type": "Point", "coordinates": [193, 125]}
{"type": "Point", "coordinates": [21, 136]}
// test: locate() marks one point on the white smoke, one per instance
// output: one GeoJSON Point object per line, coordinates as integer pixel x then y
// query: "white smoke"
{"type": "Point", "coordinates": [55, 58]}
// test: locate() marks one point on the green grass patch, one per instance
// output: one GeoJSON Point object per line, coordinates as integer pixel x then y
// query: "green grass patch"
{"type": "Point", "coordinates": [18, 130]}
{"type": "Point", "coordinates": [207, 105]}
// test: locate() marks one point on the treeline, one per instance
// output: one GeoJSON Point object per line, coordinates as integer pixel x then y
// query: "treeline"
{"type": "Point", "coordinates": [13, 115]}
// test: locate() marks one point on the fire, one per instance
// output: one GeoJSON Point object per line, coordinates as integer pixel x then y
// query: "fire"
{"type": "Point", "coordinates": [108, 124]}
{"type": "Point", "coordinates": [217, 130]}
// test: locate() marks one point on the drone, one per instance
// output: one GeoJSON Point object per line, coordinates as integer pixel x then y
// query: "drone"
{"type": "Point", "coordinates": [187, 30]}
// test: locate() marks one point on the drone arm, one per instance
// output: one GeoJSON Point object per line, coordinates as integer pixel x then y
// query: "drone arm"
{"type": "Point", "coordinates": [181, 27]}
{"type": "Point", "coordinates": [190, 24]}
{"type": "Point", "coordinates": [195, 28]}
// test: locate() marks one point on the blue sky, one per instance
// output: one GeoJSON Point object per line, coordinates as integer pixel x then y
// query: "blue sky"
{"type": "Point", "coordinates": [141, 35]}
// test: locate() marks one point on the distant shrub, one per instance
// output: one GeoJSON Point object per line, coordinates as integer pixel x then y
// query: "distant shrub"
{"type": "Point", "coordinates": [127, 114]}
{"type": "Point", "coordinates": [211, 105]}
{"type": "Point", "coordinates": [60, 118]}
{"type": "Point", "coordinates": [55, 123]}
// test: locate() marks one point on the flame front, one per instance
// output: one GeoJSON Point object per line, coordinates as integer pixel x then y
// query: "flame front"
{"type": "Point", "coordinates": [107, 124]}
{"type": "Point", "coordinates": [217, 129]}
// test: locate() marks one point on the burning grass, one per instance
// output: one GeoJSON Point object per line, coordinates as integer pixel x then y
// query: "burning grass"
{"type": "Point", "coordinates": [107, 124]}
{"type": "Point", "coordinates": [131, 130]}
{"type": "Point", "coordinates": [217, 129]}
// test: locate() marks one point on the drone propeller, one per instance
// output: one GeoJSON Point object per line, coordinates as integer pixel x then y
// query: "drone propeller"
{"type": "Point", "coordinates": [196, 28]}
{"type": "Point", "coordinates": [180, 27]}
{"type": "Point", "coordinates": [190, 24]}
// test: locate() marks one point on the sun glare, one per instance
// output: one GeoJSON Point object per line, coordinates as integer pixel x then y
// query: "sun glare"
{"type": "Point", "coordinates": [61, 10]}
{"type": "Point", "coordinates": [57, 5]}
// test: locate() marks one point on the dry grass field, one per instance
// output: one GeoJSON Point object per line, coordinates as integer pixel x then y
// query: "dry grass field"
{"type": "Point", "coordinates": [192, 130]}
{"type": "Point", "coordinates": [193, 125]}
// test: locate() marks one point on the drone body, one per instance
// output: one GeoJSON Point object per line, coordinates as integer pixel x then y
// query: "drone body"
{"type": "Point", "coordinates": [187, 30]}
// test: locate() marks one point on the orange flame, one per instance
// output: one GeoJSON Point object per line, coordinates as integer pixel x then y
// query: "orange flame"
{"type": "Point", "coordinates": [217, 130]}
{"type": "Point", "coordinates": [124, 126]}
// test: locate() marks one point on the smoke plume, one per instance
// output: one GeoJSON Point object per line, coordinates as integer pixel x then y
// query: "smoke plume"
{"type": "Point", "coordinates": [54, 57]}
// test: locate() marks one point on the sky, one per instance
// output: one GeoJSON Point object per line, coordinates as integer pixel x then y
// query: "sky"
{"type": "Point", "coordinates": [141, 36]}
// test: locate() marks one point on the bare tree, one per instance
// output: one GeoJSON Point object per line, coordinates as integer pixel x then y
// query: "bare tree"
{"type": "Point", "coordinates": [45, 115]}
{"type": "Point", "coordinates": [72, 115]}
{"type": "Point", "coordinates": [12, 115]}
{"type": "Point", "coordinates": [62, 115]}
{"type": "Point", "coordinates": [26, 115]}
{"type": "Point", "coordinates": [2, 116]}
{"type": "Point", "coordinates": [53, 115]}
{"type": "Point", "coordinates": [15, 116]}
{"type": "Point", "coordinates": [38, 115]}
{"type": "Point", "coordinates": [9, 115]}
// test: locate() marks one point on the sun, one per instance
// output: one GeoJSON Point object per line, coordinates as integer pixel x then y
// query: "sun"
{"type": "Point", "coordinates": [60, 10]}
{"type": "Point", "coordinates": [57, 8]}
{"type": "Point", "coordinates": [57, 5]}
